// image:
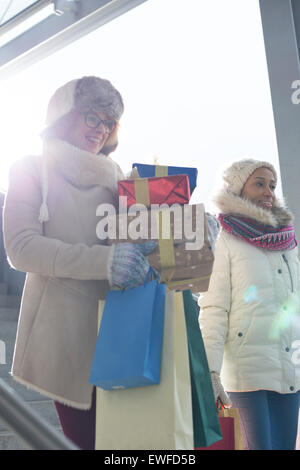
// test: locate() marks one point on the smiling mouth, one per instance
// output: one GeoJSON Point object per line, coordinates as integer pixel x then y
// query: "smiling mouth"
{"type": "Point", "coordinates": [95, 140]}
{"type": "Point", "coordinates": [266, 203]}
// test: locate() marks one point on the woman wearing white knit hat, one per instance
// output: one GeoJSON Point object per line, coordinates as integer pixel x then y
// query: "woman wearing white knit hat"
{"type": "Point", "coordinates": [50, 233]}
{"type": "Point", "coordinates": [250, 315]}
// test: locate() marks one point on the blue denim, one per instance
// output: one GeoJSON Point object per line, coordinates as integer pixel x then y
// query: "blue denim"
{"type": "Point", "coordinates": [269, 420]}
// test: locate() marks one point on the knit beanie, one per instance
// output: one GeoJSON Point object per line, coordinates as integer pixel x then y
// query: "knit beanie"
{"type": "Point", "coordinates": [238, 173]}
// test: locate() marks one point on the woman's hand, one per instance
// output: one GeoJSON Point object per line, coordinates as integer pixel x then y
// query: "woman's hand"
{"type": "Point", "coordinates": [219, 392]}
{"type": "Point", "coordinates": [129, 266]}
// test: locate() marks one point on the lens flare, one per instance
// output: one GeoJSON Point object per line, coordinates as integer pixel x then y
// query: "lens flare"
{"type": "Point", "coordinates": [284, 317]}
{"type": "Point", "coordinates": [251, 294]}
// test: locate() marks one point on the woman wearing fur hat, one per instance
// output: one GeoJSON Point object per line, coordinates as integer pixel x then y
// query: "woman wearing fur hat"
{"type": "Point", "coordinates": [50, 233]}
{"type": "Point", "coordinates": [250, 315]}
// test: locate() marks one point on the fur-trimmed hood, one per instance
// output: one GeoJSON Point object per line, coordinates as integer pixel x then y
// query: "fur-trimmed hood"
{"type": "Point", "coordinates": [229, 203]}
{"type": "Point", "coordinates": [83, 169]}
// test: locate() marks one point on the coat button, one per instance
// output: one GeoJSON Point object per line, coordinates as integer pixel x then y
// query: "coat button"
{"type": "Point", "coordinates": [279, 271]}
{"type": "Point", "coordinates": [240, 334]}
{"type": "Point", "coordinates": [292, 388]}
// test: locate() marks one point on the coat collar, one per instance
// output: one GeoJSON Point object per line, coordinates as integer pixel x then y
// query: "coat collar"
{"type": "Point", "coordinates": [81, 168]}
{"type": "Point", "coordinates": [229, 203]}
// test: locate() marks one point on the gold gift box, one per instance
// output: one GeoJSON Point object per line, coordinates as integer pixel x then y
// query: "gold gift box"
{"type": "Point", "coordinates": [184, 256]}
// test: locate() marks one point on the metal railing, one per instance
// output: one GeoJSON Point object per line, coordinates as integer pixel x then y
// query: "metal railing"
{"type": "Point", "coordinates": [34, 432]}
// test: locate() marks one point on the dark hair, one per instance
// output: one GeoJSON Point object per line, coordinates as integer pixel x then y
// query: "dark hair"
{"type": "Point", "coordinates": [112, 142]}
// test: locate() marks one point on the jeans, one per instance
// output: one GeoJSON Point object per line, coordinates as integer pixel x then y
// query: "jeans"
{"type": "Point", "coordinates": [269, 420]}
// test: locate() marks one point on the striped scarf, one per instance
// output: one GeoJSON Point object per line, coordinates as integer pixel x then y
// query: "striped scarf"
{"type": "Point", "coordinates": [262, 236]}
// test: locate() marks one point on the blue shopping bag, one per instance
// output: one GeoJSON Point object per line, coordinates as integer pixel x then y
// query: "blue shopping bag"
{"type": "Point", "coordinates": [129, 344]}
{"type": "Point", "coordinates": [148, 171]}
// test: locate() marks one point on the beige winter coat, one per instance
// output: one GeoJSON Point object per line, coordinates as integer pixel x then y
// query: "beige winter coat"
{"type": "Point", "coordinates": [250, 315]}
{"type": "Point", "coordinates": [66, 265]}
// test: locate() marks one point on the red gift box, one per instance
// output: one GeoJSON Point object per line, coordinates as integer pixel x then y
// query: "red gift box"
{"type": "Point", "coordinates": [157, 190]}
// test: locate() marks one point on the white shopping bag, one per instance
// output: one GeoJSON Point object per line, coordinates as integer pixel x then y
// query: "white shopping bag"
{"type": "Point", "coordinates": [156, 417]}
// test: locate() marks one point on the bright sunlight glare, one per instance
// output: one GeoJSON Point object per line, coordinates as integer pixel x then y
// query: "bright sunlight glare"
{"type": "Point", "coordinates": [193, 76]}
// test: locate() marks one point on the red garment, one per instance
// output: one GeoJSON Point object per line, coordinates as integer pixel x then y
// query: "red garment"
{"type": "Point", "coordinates": [78, 425]}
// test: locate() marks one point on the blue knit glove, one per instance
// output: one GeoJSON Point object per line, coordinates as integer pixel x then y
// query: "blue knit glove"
{"type": "Point", "coordinates": [128, 267]}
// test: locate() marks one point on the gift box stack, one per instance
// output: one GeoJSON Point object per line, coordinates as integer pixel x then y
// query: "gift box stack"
{"type": "Point", "coordinates": [158, 200]}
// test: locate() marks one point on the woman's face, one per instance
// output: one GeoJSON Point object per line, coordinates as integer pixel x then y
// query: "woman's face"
{"type": "Point", "coordinates": [260, 188]}
{"type": "Point", "coordinates": [85, 137]}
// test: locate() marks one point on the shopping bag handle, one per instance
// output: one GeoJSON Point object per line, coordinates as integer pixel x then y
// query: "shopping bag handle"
{"type": "Point", "coordinates": [219, 405]}
{"type": "Point", "coordinates": [150, 274]}
{"type": "Point", "coordinates": [153, 274]}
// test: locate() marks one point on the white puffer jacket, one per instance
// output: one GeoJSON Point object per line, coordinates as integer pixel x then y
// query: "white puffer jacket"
{"type": "Point", "coordinates": [249, 318]}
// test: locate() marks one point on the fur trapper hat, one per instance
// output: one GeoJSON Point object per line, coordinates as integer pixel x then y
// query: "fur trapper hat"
{"type": "Point", "coordinates": [85, 93]}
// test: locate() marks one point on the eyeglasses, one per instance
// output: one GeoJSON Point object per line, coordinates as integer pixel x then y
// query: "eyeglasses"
{"type": "Point", "coordinates": [92, 120]}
